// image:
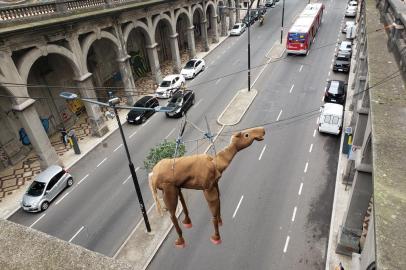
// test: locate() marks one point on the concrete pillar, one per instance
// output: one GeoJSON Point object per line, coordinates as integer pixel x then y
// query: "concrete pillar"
{"type": "Point", "coordinates": [205, 38]}
{"type": "Point", "coordinates": [223, 20]}
{"type": "Point", "coordinates": [128, 78]}
{"type": "Point", "coordinates": [154, 62]}
{"type": "Point", "coordinates": [215, 30]}
{"type": "Point", "coordinates": [231, 14]}
{"type": "Point", "coordinates": [191, 41]}
{"type": "Point", "coordinates": [99, 127]}
{"type": "Point", "coordinates": [29, 119]}
{"type": "Point", "coordinates": [175, 53]}
{"type": "Point", "coordinates": [237, 11]}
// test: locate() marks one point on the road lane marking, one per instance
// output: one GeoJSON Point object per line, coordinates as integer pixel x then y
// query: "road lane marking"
{"type": "Point", "coordinates": [102, 162]}
{"type": "Point", "coordinates": [314, 133]}
{"type": "Point", "coordinates": [170, 133]}
{"type": "Point", "coordinates": [118, 147]}
{"type": "Point", "coordinates": [143, 125]}
{"type": "Point", "coordinates": [291, 88]}
{"type": "Point", "coordinates": [262, 152]}
{"type": "Point", "coordinates": [294, 214]}
{"type": "Point", "coordinates": [135, 132]}
{"type": "Point", "coordinates": [239, 203]}
{"type": "Point", "coordinates": [331, 66]}
{"type": "Point", "coordinates": [300, 189]}
{"type": "Point", "coordinates": [127, 179]}
{"type": "Point", "coordinates": [81, 228]}
{"type": "Point", "coordinates": [300, 69]}
{"type": "Point", "coordinates": [197, 104]}
{"type": "Point", "coordinates": [311, 148]}
{"type": "Point", "coordinates": [35, 222]}
{"type": "Point", "coordinates": [305, 169]}
{"type": "Point", "coordinates": [58, 201]}
{"type": "Point", "coordinates": [279, 115]}
{"type": "Point", "coordinates": [218, 81]}
{"type": "Point", "coordinates": [329, 73]}
{"type": "Point", "coordinates": [286, 244]}
{"type": "Point", "coordinates": [86, 176]}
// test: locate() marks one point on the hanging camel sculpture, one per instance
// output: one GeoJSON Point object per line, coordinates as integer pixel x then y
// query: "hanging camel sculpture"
{"type": "Point", "coordinates": [200, 172]}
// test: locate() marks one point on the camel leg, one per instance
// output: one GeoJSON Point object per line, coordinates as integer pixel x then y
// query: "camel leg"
{"type": "Point", "coordinates": [213, 201]}
{"type": "Point", "coordinates": [170, 197]}
{"type": "Point", "coordinates": [219, 216]}
{"type": "Point", "coordinates": [186, 222]}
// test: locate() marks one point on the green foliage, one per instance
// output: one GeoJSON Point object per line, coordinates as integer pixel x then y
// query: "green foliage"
{"type": "Point", "coordinates": [165, 149]}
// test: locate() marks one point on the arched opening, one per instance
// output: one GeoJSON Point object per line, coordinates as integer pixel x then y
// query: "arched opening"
{"type": "Point", "coordinates": [198, 31]}
{"type": "Point", "coordinates": [163, 32]}
{"type": "Point", "coordinates": [182, 25]}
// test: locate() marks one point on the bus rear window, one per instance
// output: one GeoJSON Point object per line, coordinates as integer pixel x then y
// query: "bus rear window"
{"type": "Point", "coordinates": [297, 37]}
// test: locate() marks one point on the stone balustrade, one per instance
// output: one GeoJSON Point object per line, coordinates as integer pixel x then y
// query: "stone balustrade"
{"type": "Point", "coordinates": [83, 4]}
{"type": "Point", "coordinates": [24, 11]}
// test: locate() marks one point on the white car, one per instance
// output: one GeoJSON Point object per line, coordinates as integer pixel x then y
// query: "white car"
{"type": "Point", "coordinates": [331, 118]}
{"type": "Point", "coordinates": [352, 4]}
{"type": "Point", "coordinates": [192, 68]}
{"type": "Point", "coordinates": [347, 25]}
{"type": "Point", "coordinates": [169, 85]}
{"type": "Point", "coordinates": [238, 29]}
{"type": "Point", "coordinates": [345, 47]}
{"type": "Point", "coordinates": [351, 12]}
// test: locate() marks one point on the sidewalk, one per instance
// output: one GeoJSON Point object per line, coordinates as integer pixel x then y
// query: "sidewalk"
{"type": "Point", "coordinates": [15, 179]}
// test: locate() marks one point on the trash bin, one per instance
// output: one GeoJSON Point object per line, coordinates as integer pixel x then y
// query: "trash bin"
{"type": "Point", "coordinates": [347, 142]}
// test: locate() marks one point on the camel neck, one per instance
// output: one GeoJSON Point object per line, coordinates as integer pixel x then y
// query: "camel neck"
{"type": "Point", "coordinates": [225, 156]}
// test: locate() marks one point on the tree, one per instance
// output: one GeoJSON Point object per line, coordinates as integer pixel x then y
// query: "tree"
{"type": "Point", "coordinates": [165, 149]}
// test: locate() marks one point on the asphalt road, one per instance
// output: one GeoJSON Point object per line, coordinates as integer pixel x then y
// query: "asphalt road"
{"type": "Point", "coordinates": [101, 209]}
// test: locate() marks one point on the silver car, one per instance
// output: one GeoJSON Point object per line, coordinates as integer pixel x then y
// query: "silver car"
{"type": "Point", "coordinates": [46, 186]}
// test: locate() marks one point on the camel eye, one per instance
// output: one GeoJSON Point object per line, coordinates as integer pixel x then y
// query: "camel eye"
{"type": "Point", "coordinates": [246, 135]}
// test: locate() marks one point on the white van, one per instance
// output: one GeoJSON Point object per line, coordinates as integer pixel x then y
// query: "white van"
{"type": "Point", "coordinates": [331, 118]}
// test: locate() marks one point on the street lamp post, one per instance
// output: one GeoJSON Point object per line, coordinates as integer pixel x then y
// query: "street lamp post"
{"type": "Point", "coordinates": [113, 101]}
{"type": "Point", "coordinates": [249, 47]}
{"type": "Point", "coordinates": [283, 16]}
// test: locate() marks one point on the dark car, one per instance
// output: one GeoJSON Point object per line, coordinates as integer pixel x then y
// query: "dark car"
{"type": "Point", "coordinates": [181, 102]}
{"type": "Point", "coordinates": [342, 63]}
{"type": "Point", "coordinates": [335, 92]}
{"type": "Point", "coordinates": [262, 9]}
{"type": "Point", "coordinates": [250, 22]}
{"type": "Point", "coordinates": [139, 117]}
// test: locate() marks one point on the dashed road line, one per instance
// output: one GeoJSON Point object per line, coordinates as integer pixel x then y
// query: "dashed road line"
{"type": "Point", "coordinates": [126, 179]}
{"type": "Point", "coordinates": [286, 244]}
{"type": "Point", "coordinates": [58, 201]}
{"type": "Point", "coordinates": [300, 189]}
{"type": "Point", "coordinates": [329, 73]}
{"type": "Point", "coordinates": [314, 133]}
{"type": "Point", "coordinates": [76, 234]}
{"type": "Point", "coordinates": [170, 133]}
{"type": "Point", "coordinates": [143, 125]}
{"type": "Point", "coordinates": [135, 132]}
{"type": "Point", "coordinates": [291, 88]}
{"type": "Point", "coordinates": [35, 222]}
{"type": "Point", "coordinates": [101, 162]}
{"type": "Point", "coordinates": [300, 69]}
{"type": "Point", "coordinates": [118, 147]}
{"type": "Point", "coordinates": [262, 152]}
{"type": "Point", "coordinates": [238, 206]}
{"type": "Point", "coordinates": [279, 115]}
{"type": "Point", "coordinates": [305, 169]}
{"type": "Point", "coordinates": [218, 81]}
{"type": "Point", "coordinates": [86, 176]}
{"type": "Point", "coordinates": [294, 213]}
{"type": "Point", "coordinates": [311, 148]}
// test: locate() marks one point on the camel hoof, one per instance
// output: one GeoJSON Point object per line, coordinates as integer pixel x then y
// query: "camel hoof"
{"type": "Point", "coordinates": [216, 242]}
{"type": "Point", "coordinates": [187, 225]}
{"type": "Point", "coordinates": [183, 245]}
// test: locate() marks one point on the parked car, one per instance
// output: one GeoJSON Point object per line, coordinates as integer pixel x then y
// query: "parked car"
{"type": "Point", "coordinates": [352, 4]}
{"type": "Point", "coordinates": [238, 29]}
{"type": "Point", "coordinates": [331, 118]}
{"type": "Point", "coordinates": [342, 63]}
{"type": "Point", "coordinates": [345, 47]}
{"type": "Point", "coordinates": [247, 22]}
{"type": "Point", "coordinates": [270, 3]}
{"type": "Point", "coordinates": [351, 12]}
{"type": "Point", "coordinates": [45, 187]}
{"type": "Point", "coordinates": [181, 101]}
{"type": "Point", "coordinates": [261, 9]}
{"type": "Point", "coordinates": [335, 92]}
{"type": "Point", "coordinates": [347, 25]}
{"type": "Point", "coordinates": [139, 117]}
{"type": "Point", "coordinates": [192, 68]}
{"type": "Point", "coordinates": [169, 85]}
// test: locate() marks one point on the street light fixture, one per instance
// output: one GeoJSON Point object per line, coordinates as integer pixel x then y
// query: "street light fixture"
{"type": "Point", "coordinates": [113, 103]}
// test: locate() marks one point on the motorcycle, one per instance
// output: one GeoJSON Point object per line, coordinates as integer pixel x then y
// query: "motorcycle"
{"type": "Point", "coordinates": [261, 20]}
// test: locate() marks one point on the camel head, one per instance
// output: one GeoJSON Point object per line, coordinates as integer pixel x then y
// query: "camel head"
{"type": "Point", "coordinates": [245, 138]}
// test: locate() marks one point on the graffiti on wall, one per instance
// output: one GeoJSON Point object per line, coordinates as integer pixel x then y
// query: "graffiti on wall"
{"type": "Point", "coordinates": [139, 64]}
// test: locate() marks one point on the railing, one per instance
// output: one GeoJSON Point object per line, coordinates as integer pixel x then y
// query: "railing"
{"type": "Point", "coordinates": [17, 12]}
{"type": "Point", "coordinates": [82, 4]}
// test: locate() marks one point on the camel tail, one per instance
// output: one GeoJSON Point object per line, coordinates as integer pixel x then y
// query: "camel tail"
{"type": "Point", "coordinates": [154, 192]}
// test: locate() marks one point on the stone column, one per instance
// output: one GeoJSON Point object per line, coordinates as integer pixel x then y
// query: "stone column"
{"type": "Point", "coordinates": [223, 20]}
{"type": "Point", "coordinates": [215, 30]}
{"type": "Point", "coordinates": [99, 127]}
{"type": "Point", "coordinates": [29, 119]}
{"type": "Point", "coordinates": [231, 15]}
{"type": "Point", "coordinates": [191, 41]}
{"type": "Point", "coordinates": [127, 78]}
{"type": "Point", "coordinates": [154, 62]}
{"type": "Point", "coordinates": [203, 26]}
{"type": "Point", "coordinates": [237, 11]}
{"type": "Point", "coordinates": [175, 53]}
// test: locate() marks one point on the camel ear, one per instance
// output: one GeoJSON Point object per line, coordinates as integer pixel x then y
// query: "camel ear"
{"type": "Point", "coordinates": [238, 134]}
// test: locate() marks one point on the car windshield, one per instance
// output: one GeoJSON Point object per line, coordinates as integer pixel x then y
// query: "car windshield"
{"type": "Point", "coordinates": [334, 88]}
{"type": "Point", "coordinates": [190, 64]}
{"type": "Point", "coordinates": [176, 100]}
{"type": "Point", "coordinates": [342, 58]}
{"type": "Point", "coordinates": [165, 83]}
{"type": "Point", "coordinates": [237, 26]}
{"type": "Point", "coordinates": [36, 188]}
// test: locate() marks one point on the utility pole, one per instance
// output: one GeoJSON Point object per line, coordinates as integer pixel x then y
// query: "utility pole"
{"type": "Point", "coordinates": [283, 16]}
{"type": "Point", "coordinates": [249, 47]}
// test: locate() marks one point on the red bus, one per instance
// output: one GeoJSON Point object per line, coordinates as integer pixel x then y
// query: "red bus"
{"type": "Point", "coordinates": [303, 30]}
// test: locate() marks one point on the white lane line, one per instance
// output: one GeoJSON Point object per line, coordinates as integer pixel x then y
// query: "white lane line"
{"type": "Point", "coordinates": [143, 125]}
{"type": "Point", "coordinates": [314, 133]}
{"type": "Point", "coordinates": [86, 176]}
{"type": "Point", "coordinates": [262, 152]}
{"type": "Point", "coordinates": [118, 147]}
{"type": "Point", "coordinates": [311, 148]}
{"type": "Point", "coordinates": [279, 115]}
{"type": "Point", "coordinates": [58, 201]}
{"type": "Point", "coordinates": [76, 234]}
{"type": "Point", "coordinates": [322, 99]}
{"type": "Point", "coordinates": [294, 213]}
{"type": "Point", "coordinates": [102, 162]}
{"type": "Point", "coordinates": [329, 73]}
{"type": "Point", "coordinates": [170, 133]}
{"type": "Point", "coordinates": [331, 66]}
{"type": "Point", "coordinates": [300, 189]}
{"type": "Point", "coordinates": [135, 132]}
{"type": "Point", "coordinates": [286, 244]}
{"type": "Point", "coordinates": [126, 179]}
{"type": "Point", "coordinates": [197, 104]}
{"type": "Point", "coordinates": [291, 88]}
{"type": "Point", "coordinates": [218, 81]}
{"type": "Point", "coordinates": [305, 169]}
{"type": "Point", "coordinates": [338, 39]}
{"type": "Point", "coordinates": [35, 222]}
{"type": "Point", "coordinates": [300, 69]}
{"type": "Point", "coordinates": [238, 205]}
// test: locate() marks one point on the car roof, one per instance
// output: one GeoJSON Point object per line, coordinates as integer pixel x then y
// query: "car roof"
{"type": "Point", "coordinates": [143, 100]}
{"type": "Point", "coordinates": [332, 108]}
{"type": "Point", "coordinates": [170, 77]}
{"type": "Point", "coordinates": [45, 176]}
{"type": "Point", "coordinates": [346, 42]}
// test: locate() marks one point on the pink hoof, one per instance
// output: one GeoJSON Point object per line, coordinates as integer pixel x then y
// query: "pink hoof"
{"type": "Point", "coordinates": [216, 242]}
{"type": "Point", "coordinates": [180, 245]}
{"type": "Point", "coordinates": [187, 225]}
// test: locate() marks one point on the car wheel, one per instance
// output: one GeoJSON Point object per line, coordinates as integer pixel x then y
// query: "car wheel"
{"type": "Point", "coordinates": [70, 182]}
{"type": "Point", "coordinates": [44, 206]}
{"type": "Point", "coordinates": [193, 101]}
{"type": "Point", "coordinates": [203, 68]}
{"type": "Point", "coordinates": [143, 119]}
{"type": "Point", "coordinates": [194, 75]}
{"type": "Point", "coordinates": [183, 113]}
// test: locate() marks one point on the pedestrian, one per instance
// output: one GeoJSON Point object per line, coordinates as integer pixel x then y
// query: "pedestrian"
{"type": "Point", "coordinates": [64, 136]}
